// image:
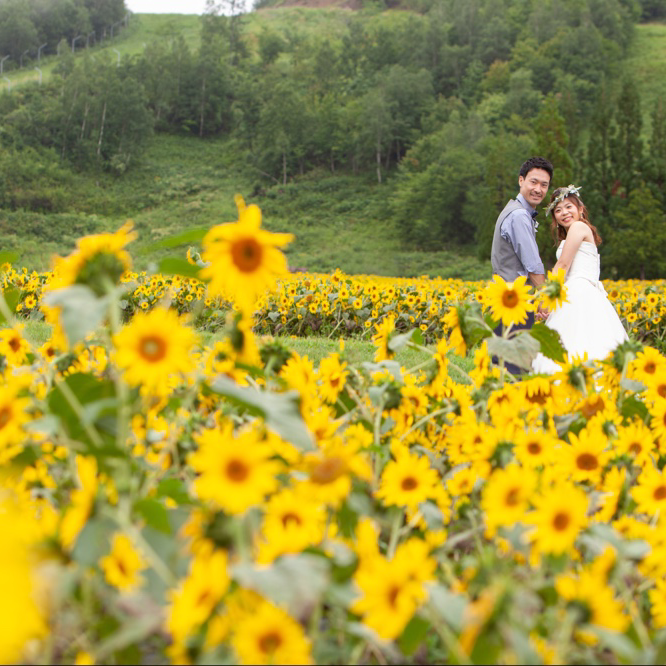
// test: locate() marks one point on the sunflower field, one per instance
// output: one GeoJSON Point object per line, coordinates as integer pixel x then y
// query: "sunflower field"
{"type": "Point", "coordinates": [166, 500]}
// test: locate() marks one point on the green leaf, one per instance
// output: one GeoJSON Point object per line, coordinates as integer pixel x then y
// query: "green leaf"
{"type": "Point", "coordinates": [413, 635]}
{"type": "Point", "coordinates": [398, 342]}
{"type": "Point", "coordinates": [154, 513]}
{"type": "Point", "coordinates": [175, 266]}
{"type": "Point", "coordinates": [97, 400]}
{"type": "Point", "coordinates": [133, 632]}
{"type": "Point", "coordinates": [12, 296]}
{"type": "Point", "coordinates": [450, 607]}
{"type": "Point", "coordinates": [520, 350]}
{"type": "Point", "coordinates": [81, 311]}
{"type": "Point", "coordinates": [632, 407]}
{"type": "Point", "coordinates": [195, 235]}
{"type": "Point", "coordinates": [550, 341]}
{"type": "Point", "coordinates": [280, 411]}
{"type": "Point", "coordinates": [632, 385]}
{"type": "Point", "coordinates": [175, 489]}
{"type": "Point", "coordinates": [618, 643]}
{"type": "Point", "coordinates": [295, 581]}
{"type": "Point", "coordinates": [93, 542]}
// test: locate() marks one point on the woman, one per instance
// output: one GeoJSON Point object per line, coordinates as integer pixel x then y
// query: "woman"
{"type": "Point", "coordinates": [587, 322]}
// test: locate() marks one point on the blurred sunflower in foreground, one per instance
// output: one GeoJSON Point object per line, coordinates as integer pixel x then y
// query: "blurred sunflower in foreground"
{"type": "Point", "coordinates": [244, 260]}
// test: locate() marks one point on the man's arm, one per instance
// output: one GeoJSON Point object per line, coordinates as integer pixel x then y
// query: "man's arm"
{"type": "Point", "coordinates": [524, 243]}
{"type": "Point", "coordinates": [537, 279]}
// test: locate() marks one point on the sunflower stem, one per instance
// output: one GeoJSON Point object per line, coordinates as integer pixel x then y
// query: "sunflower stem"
{"type": "Point", "coordinates": [123, 413]}
{"type": "Point", "coordinates": [448, 637]}
{"type": "Point", "coordinates": [77, 408]}
{"type": "Point", "coordinates": [395, 533]}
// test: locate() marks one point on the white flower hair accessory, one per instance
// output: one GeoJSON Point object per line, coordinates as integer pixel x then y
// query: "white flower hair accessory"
{"type": "Point", "coordinates": [564, 193]}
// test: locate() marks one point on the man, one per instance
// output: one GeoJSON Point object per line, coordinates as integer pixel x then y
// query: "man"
{"type": "Point", "coordinates": [514, 250]}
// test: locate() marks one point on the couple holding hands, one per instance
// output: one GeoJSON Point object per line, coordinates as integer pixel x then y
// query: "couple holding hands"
{"type": "Point", "coordinates": [587, 321]}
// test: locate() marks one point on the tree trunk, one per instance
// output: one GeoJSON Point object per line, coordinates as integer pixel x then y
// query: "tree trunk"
{"type": "Point", "coordinates": [379, 161]}
{"type": "Point", "coordinates": [85, 117]}
{"type": "Point", "coordinates": [101, 131]}
{"type": "Point", "coordinates": [203, 100]}
{"type": "Point", "coordinates": [284, 168]}
{"type": "Point", "coordinates": [642, 271]}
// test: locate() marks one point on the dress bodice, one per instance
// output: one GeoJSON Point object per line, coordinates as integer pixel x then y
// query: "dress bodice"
{"type": "Point", "coordinates": [585, 264]}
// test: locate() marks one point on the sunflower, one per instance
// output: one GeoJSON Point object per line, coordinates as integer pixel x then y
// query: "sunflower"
{"type": "Point", "coordinates": [235, 472]}
{"type": "Point", "coordinates": [553, 292]}
{"type": "Point", "coordinates": [122, 565]}
{"type": "Point", "coordinates": [535, 448]}
{"type": "Point", "coordinates": [658, 604]}
{"type": "Point", "coordinates": [21, 617]}
{"type": "Point", "coordinates": [509, 303]}
{"type": "Point", "coordinates": [13, 346]}
{"type": "Point", "coordinates": [292, 522]}
{"type": "Point", "coordinates": [82, 500]}
{"type": "Point", "coordinates": [154, 348]}
{"type": "Point", "coordinates": [192, 602]}
{"type": "Point", "coordinates": [586, 457]}
{"type": "Point", "coordinates": [392, 590]}
{"type": "Point", "coordinates": [505, 497]}
{"type": "Point", "coordinates": [13, 417]}
{"type": "Point", "coordinates": [407, 481]}
{"type": "Point", "coordinates": [98, 260]}
{"type": "Point", "coordinates": [647, 365]}
{"type": "Point", "coordinates": [635, 440]}
{"type": "Point", "coordinates": [332, 376]}
{"type": "Point", "coordinates": [592, 597]}
{"type": "Point", "coordinates": [559, 516]}
{"type": "Point", "coordinates": [451, 322]}
{"type": "Point", "coordinates": [381, 339]}
{"type": "Point", "coordinates": [650, 491]}
{"type": "Point", "coordinates": [268, 635]}
{"type": "Point", "coordinates": [244, 260]}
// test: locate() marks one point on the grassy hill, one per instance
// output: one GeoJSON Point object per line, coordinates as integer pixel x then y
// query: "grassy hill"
{"type": "Point", "coordinates": [646, 64]}
{"type": "Point", "coordinates": [340, 221]}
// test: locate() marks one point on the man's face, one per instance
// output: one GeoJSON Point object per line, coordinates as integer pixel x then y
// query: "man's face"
{"type": "Point", "coordinates": [534, 186]}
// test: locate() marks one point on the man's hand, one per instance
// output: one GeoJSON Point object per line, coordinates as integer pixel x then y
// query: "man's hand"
{"type": "Point", "coordinates": [542, 313]}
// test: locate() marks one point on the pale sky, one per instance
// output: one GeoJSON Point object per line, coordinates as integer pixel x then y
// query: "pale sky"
{"type": "Point", "coordinates": [166, 6]}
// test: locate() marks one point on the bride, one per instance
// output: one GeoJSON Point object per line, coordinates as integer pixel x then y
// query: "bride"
{"type": "Point", "coordinates": [587, 322]}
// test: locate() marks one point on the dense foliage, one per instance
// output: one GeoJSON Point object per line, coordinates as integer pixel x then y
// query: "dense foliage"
{"type": "Point", "coordinates": [445, 100]}
{"type": "Point", "coordinates": [27, 25]}
{"type": "Point", "coordinates": [170, 501]}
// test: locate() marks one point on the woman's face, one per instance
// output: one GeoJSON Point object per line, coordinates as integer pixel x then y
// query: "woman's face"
{"type": "Point", "coordinates": [566, 213]}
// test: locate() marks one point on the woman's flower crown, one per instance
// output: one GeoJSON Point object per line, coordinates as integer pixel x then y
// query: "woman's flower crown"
{"type": "Point", "coordinates": [564, 193]}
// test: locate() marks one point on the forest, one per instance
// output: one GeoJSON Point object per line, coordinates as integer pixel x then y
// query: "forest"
{"type": "Point", "coordinates": [436, 101]}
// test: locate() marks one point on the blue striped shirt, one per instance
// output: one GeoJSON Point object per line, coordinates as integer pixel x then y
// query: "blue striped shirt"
{"type": "Point", "coordinates": [519, 228]}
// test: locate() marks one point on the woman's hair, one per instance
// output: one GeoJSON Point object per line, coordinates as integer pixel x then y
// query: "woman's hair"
{"type": "Point", "coordinates": [559, 232]}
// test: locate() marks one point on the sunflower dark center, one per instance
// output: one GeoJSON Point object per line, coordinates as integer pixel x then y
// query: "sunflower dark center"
{"type": "Point", "coordinates": [327, 471]}
{"type": "Point", "coordinates": [409, 483]}
{"type": "Point", "coordinates": [152, 348]}
{"type": "Point", "coordinates": [659, 493]}
{"type": "Point", "coordinates": [650, 367]}
{"type": "Point", "coordinates": [246, 255]}
{"type": "Point", "coordinates": [513, 497]}
{"type": "Point", "coordinates": [237, 471]}
{"type": "Point", "coordinates": [270, 642]}
{"type": "Point", "coordinates": [289, 518]}
{"type": "Point", "coordinates": [510, 299]}
{"type": "Point", "coordinates": [534, 448]}
{"type": "Point", "coordinates": [587, 462]}
{"type": "Point", "coordinates": [561, 521]}
{"type": "Point", "coordinates": [5, 416]}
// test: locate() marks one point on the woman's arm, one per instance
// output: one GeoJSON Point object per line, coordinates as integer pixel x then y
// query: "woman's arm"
{"type": "Point", "coordinates": [578, 232]}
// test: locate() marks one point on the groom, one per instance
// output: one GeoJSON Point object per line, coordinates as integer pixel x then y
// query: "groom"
{"type": "Point", "coordinates": [514, 250]}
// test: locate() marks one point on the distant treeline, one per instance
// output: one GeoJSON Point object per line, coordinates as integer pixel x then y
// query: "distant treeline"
{"type": "Point", "coordinates": [25, 25]}
{"type": "Point", "coordinates": [454, 95]}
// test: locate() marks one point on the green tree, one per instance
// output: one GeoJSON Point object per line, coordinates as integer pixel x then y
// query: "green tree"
{"type": "Point", "coordinates": [626, 144]}
{"type": "Point", "coordinates": [637, 244]}
{"type": "Point", "coordinates": [552, 140]}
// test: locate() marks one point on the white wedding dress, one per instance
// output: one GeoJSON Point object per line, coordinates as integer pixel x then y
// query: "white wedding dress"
{"type": "Point", "coordinates": [587, 322]}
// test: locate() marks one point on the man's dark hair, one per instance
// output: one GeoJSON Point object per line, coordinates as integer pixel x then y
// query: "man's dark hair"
{"type": "Point", "coordinates": [536, 163]}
